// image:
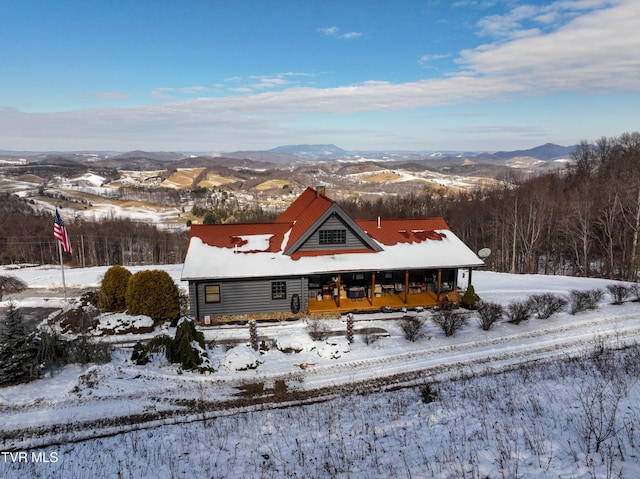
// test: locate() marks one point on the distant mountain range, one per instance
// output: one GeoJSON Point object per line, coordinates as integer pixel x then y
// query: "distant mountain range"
{"type": "Point", "coordinates": [546, 152]}
{"type": "Point", "coordinates": [295, 153]}
{"type": "Point", "coordinates": [284, 154]}
{"type": "Point", "coordinates": [312, 152]}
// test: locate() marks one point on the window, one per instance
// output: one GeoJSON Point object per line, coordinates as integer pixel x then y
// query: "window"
{"type": "Point", "coordinates": [212, 293]}
{"type": "Point", "coordinates": [278, 290]}
{"type": "Point", "coordinates": [333, 236]}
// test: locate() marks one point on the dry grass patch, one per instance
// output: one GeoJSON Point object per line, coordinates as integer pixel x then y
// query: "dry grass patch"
{"type": "Point", "coordinates": [31, 179]}
{"type": "Point", "coordinates": [382, 177]}
{"type": "Point", "coordinates": [212, 180]}
{"type": "Point", "coordinates": [182, 178]}
{"type": "Point", "coordinates": [271, 184]}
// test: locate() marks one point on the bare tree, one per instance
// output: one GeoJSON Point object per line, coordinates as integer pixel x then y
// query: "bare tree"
{"type": "Point", "coordinates": [585, 161]}
{"type": "Point", "coordinates": [578, 225]}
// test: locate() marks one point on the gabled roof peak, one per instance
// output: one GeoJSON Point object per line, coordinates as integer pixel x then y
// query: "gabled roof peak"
{"type": "Point", "coordinates": [309, 200]}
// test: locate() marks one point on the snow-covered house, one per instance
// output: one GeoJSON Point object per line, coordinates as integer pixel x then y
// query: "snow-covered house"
{"type": "Point", "coordinates": [316, 258]}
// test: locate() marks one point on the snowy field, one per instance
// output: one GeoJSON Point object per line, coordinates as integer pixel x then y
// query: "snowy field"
{"type": "Point", "coordinates": [555, 398]}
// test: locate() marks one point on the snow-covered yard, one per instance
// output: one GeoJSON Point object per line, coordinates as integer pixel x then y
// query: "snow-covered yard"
{"type": "Point", "coordinates": [356, 411]}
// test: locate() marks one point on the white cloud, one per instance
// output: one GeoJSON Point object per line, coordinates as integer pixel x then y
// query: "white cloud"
{"type": "Point", "coordinates": [595, 53]}
{"type": "Point", "coordinates": [163, 93]}
{"type": "Point", "coordinates": [426, 59]}
{"type": "Point", "coordinates": [525, 20]}
{"type": "Point", "coordinates": [256, 83]}
{"type": "Point", "coordinates": [108, 95]}
{"type": "Point", "coordinates": [335, 32]}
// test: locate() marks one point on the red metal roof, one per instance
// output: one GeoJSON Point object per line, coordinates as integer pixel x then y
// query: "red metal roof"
{"type": "Point", "coordinates": [302, 204]}
{"type": "Point", "coordinates": [303, 213]}
{"type": "Point", "coordinates": [390, 232]}
{"type": "Point", "coordinates": [299, 218]}
{"type": "Point", "coordinates": [231, 235]}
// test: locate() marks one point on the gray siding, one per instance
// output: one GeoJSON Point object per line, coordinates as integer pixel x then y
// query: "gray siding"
{"type": "Point", "coordinates": [332, 223]}
{"type": "Point", "coordinates": [246, 296]}
{"type": "Point", "coordinates": [193, 298]}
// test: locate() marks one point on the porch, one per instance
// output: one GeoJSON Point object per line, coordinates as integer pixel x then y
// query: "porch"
{"type": "Point", "coordinates": [373, 290]}
{"type": "Point", "coordinates": [328, 303]}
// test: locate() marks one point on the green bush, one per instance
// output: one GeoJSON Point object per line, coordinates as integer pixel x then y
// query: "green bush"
{"type": "Point", "coordinates": [470, 298]}
{"type": "Point", "coordinates": [53, 351]}
{"type": "Point", "coordinates": [187, 349]}
{"type": "Point", "coordinates": [140, 355]}
{"type": "Point", "coordinates": [17, 351]}
{"type": "Point", "coordinates": [181, 350]}
{"type": "Point", "coordinates": [114, 289]}
{"type": "Point", "coordinates": [429, 393]}
{"type": "Point", "coordinates": [154, 294]}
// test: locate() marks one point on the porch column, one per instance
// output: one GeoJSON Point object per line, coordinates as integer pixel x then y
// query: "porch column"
{"type": "Point", "coordinates": [406, 285]}
{"type": "Point", "coordinates": [338, 291]}
{"type": "Point", "coordinates": [373, 286]}
{"type": "Point", "coordinates": [469, 282]}
{"type": "Point", "coordinates": [439, 283]}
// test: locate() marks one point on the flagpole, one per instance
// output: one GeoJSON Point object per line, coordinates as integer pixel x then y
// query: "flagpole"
{"type": "Point", "coordinates": [64, 284]}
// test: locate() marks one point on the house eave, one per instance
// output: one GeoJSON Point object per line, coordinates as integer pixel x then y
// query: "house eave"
{"type": "Point", "coordinates": [224, 264]}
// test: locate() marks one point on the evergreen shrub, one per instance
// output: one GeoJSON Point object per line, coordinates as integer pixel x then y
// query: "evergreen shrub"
{"type": "Point", "coordinates": [154, 294]}
{"type": "Point", "coordinates": [181, 349]}
{"type": "Point", "coordinates": [187, 349]}
{"type": "Point", "coordinates": [114, 288]}
{"type": "Point", "coordinates": [429, 393]}
{"type": "Point", "coordinates": [17, 350]}
{"type": "Point", "coordinates": [470, 298]}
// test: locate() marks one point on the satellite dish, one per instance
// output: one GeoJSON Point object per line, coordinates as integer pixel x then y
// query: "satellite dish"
{"type": "Point", "coordinates": [484, 253]}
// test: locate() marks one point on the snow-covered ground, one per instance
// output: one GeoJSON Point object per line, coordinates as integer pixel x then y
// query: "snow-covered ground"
{"type": "Point", "coordinates": [346, 416]}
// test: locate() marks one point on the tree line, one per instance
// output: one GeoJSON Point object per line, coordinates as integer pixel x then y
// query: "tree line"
{"type": "Point", "coordinates": [26, 236]}
{"type": "Point", "coordinates": [581, 220]}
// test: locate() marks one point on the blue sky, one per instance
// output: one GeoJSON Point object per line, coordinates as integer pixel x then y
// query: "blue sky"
{"type": "Point", "coordinates": [215, 76]}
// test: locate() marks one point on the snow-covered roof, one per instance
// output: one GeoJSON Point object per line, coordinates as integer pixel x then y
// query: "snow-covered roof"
{"type": "Point", "coordinates": [204, 261]}
{"type": "Point", "coordinates": [268, 249]}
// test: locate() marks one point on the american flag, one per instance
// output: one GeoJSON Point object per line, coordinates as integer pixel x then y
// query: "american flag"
{"type": "Point", "coordinates": [60, 233]}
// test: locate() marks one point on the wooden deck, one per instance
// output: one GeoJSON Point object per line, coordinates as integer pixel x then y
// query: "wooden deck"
{"type": "Point", "coordinates": [426, 299]}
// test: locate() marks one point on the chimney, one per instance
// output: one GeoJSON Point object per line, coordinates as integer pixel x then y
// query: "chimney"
{"type": "Point", "coordinates": [378, 222]}
{"type": "Point", "coordinates": [321, 191]}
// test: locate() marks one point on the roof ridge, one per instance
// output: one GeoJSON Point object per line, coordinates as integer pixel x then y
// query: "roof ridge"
{"type": "Point", "coordinates": [302, 204]}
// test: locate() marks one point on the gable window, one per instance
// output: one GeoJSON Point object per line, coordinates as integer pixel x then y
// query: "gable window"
{"type": "Point", "coordinates": [212, 293]}
{"type": "Point", "coordinates": [333, 236]}
{"type": "Point", "coordinates": [278, 290]}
